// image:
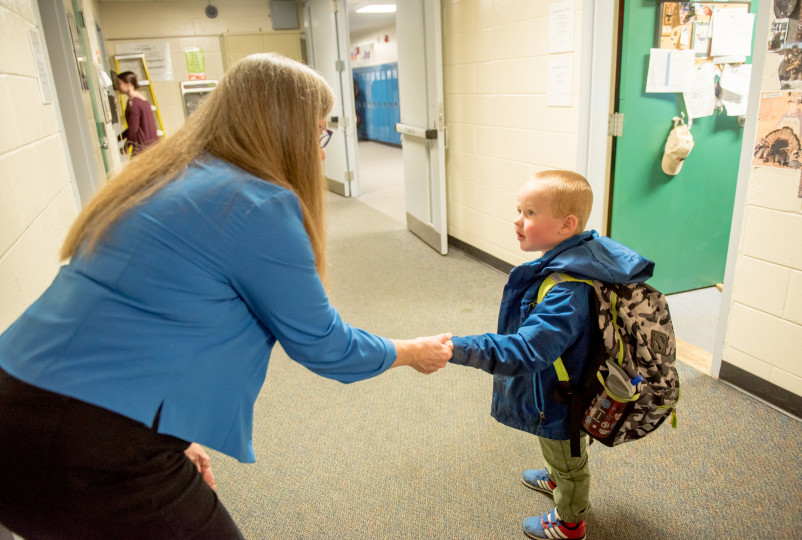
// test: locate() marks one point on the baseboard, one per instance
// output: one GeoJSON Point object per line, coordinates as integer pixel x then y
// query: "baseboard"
{"type": "Point", "coordinates": [694, 356]}
{"type": "Point", "coordinates": [761, 388]}
{"type": "Point", "coordinates": [480, 255]}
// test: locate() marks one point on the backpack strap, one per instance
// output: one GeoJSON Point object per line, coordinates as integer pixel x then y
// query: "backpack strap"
{"type": "Point", "coordinates": [545, 287]}
{"type": "Point", "coordinates": [575, 417]}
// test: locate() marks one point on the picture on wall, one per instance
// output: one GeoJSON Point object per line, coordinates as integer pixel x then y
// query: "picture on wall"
{"type": "Point", "coordinates": [779, 127]}
{"type": "Point", "coordinates": [785, 38]}
{"type": "Point", "coordinates": [778, 34]}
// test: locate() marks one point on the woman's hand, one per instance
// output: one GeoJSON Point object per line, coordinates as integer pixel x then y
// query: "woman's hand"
{"type": "Point", "coordinates": [424, 354]}
{"type": "Point", "coordinates": [197, 456]}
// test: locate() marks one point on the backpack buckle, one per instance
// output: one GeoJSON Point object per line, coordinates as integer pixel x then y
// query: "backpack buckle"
{"type": "Point", "coordinates": [563, 392]}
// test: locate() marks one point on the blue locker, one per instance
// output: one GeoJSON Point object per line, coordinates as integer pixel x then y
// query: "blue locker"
{"type": "Point", "coordinates": [376, 97]}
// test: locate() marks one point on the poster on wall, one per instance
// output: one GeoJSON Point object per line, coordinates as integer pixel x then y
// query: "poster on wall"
{"type": "Point", "coordinates": [362, 54]}
{"type": "Point", "coordinates": [157, 56]}
{"type": "Point", "coordinates": [196, 64]}
{"type": "Point", "coordinates": [76, 49]}
{"type": "Point", "coordinates": [778, 34]}
{"type": "Point", "coordinates": [779, 128]}
{"type": "Point", "coordinates": [785, 38]}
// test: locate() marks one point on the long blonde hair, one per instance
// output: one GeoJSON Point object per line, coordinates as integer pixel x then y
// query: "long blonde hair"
{"type": "Point", "coordinates": [263, 117]}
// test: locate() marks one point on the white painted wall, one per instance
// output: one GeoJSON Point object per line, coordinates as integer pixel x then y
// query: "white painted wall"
{"type": "Point", "coordinates": [385, 51]}
{"type": "Point", "coordinates": [37, 201]}
{"type": "Point", "coordinates": [500, 128]}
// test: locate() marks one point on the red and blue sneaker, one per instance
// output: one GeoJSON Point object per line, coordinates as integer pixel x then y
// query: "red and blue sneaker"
{"type": "Point", "coordinates": [538, 479]}
{"type": "Point", "coordinates": [550, 527]}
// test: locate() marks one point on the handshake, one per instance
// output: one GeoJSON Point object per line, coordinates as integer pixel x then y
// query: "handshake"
{"type": "Point", "coordinates": [424, 354]}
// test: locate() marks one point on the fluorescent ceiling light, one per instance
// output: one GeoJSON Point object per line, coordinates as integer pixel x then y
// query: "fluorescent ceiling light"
{"type": "Point", "coordinates": [377, 8]}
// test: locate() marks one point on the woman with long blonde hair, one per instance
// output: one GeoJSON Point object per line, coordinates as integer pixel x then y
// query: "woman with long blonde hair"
{"type": "Point", "coordinates": [181, 275]}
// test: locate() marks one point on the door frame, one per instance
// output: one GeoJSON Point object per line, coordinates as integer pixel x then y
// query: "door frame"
{"type": "Point", "coordinates": [431, 225]}
{"type": "Point", "coordinates": [744, 171]}
{"type": "Point", "coordinates": [602, 40]}
{"type": "Point", "coordinates": [598, 65]}
{"type": "Point", "coordinates": [84, 174]}
{"type": "Point", "coordinates": [343, 124]}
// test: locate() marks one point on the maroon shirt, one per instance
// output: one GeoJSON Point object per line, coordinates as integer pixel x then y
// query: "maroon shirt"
{"type": "Point", "coordinates": [141, 130]}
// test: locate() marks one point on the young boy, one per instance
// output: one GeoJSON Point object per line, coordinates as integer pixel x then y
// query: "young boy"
{"type": "Point", "coordinates": [553, 207]}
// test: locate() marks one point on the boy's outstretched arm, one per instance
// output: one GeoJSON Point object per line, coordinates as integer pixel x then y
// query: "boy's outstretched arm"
{"type": "Point", "coordinates": [548, 330]}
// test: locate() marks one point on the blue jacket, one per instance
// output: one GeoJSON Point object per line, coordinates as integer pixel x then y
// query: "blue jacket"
{"type": "Point", "coordinates": [180, 305]}
{"type": "Point", "coordinates": [532, 336]}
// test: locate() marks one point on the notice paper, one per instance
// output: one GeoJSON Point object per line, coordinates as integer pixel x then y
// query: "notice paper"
{"type": "Point", "coordinates": [700, 100]}
{"type": "Point", "coordinates": [734, 84]}
{"type": "Point", "coordinates": [561, 76]}
{"type": "Point", "coordinates": [670, 70]}
{"type": "Point", "coordinates": [561, 26]}
{"type": "Point", "coordinates": [731, 33]}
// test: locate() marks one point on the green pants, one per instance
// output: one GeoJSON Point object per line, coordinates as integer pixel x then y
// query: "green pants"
{"type": "Point", "coordinates": [571, 475]}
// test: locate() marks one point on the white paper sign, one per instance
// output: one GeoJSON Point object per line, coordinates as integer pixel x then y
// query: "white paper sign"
{"type": "Point", "coordinates": [157, 56]}
{"type": "Point", "coordinates": [731, 32]}
{"type": "Point", "coordinates": [700, 101]}
{"type": "Point", "coordinates": [734, 84]}
{"type": "Point", "coordinates": [561, 75]}
{"type": "Point", "coordinates": [41, 65]}
{"type": "Point", "coordinates": [561, 26]}
{"type": "Point", "coordinates": [670, 71]}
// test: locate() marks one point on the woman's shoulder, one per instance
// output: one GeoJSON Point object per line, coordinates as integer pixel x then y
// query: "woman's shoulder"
{"type": "Point", "coordinates": [222, 179]}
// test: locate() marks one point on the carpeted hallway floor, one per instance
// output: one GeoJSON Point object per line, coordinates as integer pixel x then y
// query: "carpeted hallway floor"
{"type": "Point", "coordinates": [407, 456]}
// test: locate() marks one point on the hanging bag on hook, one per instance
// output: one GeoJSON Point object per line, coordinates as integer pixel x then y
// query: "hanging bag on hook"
{"type": "Point", "coordinates": [678, 146]}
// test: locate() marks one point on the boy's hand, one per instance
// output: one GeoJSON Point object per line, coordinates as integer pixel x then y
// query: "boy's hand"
{"type": "Point", "coordinates": [424, 354]}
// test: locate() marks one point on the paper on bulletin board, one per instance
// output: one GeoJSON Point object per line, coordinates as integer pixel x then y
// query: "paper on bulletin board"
{"type": "Point", "coordinates": [734, 84]}
{"type": "Point", "coordinates": [561, 26]}
{"type": "Point", "coordinates": [561, 75]}
{"type": "Point", "coordinates": [670, 70]}
{"type": "Point", "coordinates": [700, 100]}
{"type": "Point", "coordinates": [731, 33]}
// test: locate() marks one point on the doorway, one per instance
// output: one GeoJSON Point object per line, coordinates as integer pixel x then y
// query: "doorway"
{"type": "Point", "coordinates": [682, 222]}
{"type": "Point", "coordinates": [72, 75]}
{"type": "Point", "coordinates": [419, 105]}
{"type": "Point", "coordinates": [373, 53]}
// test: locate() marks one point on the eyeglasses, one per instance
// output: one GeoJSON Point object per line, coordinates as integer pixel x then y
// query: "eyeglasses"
{"type": "Point", "coordinates": [325, 137]}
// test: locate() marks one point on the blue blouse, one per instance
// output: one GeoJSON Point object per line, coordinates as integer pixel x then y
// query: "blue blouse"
{"type": "Point", "coordinates": [179, 306]}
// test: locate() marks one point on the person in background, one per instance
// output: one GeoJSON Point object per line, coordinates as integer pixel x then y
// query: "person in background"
{"type": "Point", "coordinates": [553, 208]}
{"type": "Point", "coordinates": [181, 275]}
{"type": "Point", "coordinates": [141, 131]}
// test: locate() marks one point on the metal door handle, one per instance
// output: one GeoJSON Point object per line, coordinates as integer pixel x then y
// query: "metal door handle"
{"type": "Point", "coordinates": [423, 133]}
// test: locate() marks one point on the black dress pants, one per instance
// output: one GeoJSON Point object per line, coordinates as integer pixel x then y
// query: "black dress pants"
{"type": "Point", "coordinates": [71, 470]}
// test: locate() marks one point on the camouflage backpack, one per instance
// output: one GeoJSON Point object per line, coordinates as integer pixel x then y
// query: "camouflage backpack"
{"type": "Point", "coordinates": [635, 332]}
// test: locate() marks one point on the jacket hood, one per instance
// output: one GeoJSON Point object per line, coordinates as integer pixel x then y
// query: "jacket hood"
{"type": "Point", "coordinates": [590, 256]}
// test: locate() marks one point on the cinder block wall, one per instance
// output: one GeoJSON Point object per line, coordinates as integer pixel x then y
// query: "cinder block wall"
{"type": "Point", "coordinates": [37, 200]}
{"type": "Point", "coordinates": [764, 330]}
{"type": "Point", "coordinates": [500, 128]}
